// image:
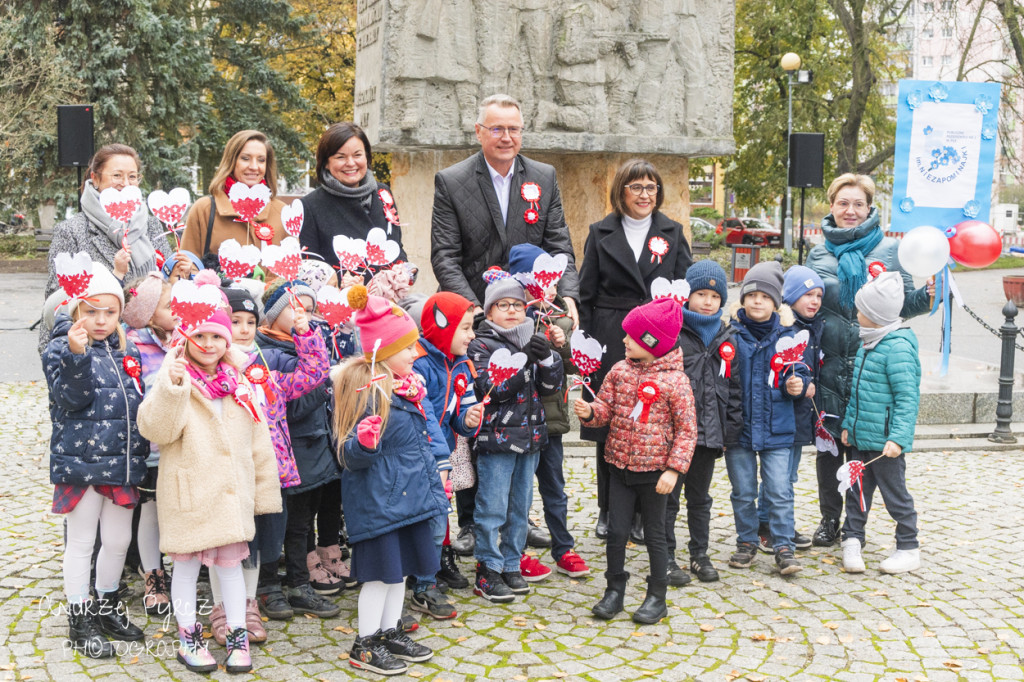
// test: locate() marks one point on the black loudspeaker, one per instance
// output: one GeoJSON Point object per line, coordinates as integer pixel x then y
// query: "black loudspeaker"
{"type": "Point", "coordinates": [74, 134]}
{"type": "Point", "coordinates": [806, 159]}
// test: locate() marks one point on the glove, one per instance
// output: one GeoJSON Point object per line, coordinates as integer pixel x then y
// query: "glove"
{"type": "Point", "coordinates": [368, 432]}
{"type": "Point", "coordinates": [448, 488]}
{"type": "Point", "coordinates": [538, 348]}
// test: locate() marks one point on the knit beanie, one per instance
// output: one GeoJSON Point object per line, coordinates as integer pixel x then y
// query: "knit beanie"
{"type": "Point", "coordinates": [765, 277]}
{"type": "Point", "coordinates": [219, 323]}
{"type": "Point", "coordinates": [275, 299]}
{"type": "Point", "coordinates": [441, 316]}
{"type": "Point", "coordinates": [522, 256]}
{"type": "Point", "coordinates": [798, 281]}
{"type": "Point", "coordinates": [145, 297]}
{"type": "Point", "coordinates": [881, 299]}
{"type": "Point", "coordinates": [505, 287]}
{"type": "Point", "coordinates": [171, 262]}
{"type": "Point", "coordinates": [381, 320]}
{"type": "Point", "coordinates": [240, 301]}
{"type": "Point", "coordinates": [102, 282]}
{"type": "Point", "coordinates": [655, 325]}
{"type": "Point", "coordinates": [707, 274]}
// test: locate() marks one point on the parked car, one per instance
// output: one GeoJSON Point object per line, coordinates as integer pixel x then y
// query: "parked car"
{"type": "Point", "coordinates": [747, 230]}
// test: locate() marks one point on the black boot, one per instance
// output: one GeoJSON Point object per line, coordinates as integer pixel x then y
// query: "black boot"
{"type": "Point", "coordinates": [653, 609]}
{"type": "Point", "coordinates": [450, 572]}
{"type": "Point", "coordinates": [601, 531]}
{"type": "Point", "coordinates": [611, 602]}
{"type": "Point", "coordinates": [84, 631]}
{"type": "Point", "coordinates": [113, 618]}
{"type": "Point", "coordinates": [636, 533]}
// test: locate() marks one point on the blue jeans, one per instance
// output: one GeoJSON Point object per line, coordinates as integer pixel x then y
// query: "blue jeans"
{"type": "Point", "coordinates": [551, 485]}
{"type": "Point", "coordinates": [794, 467]}
{"type": "Point", "coordinates": [439, 526]}
{"type": "Point", "coordinates": [504, 493]}
{"type": "Point", "coordinates": [741, 463]}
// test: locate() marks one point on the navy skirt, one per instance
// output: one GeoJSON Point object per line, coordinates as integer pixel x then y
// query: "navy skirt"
{"type": "Point", "coordinates": [391, 557]}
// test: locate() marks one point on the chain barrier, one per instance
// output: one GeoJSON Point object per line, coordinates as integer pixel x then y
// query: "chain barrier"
{"type": "Point", "coordinates": [989, 327]}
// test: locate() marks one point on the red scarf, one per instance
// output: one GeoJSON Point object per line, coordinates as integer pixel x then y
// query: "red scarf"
{"type": "Point", "coordinates": [229, 181]}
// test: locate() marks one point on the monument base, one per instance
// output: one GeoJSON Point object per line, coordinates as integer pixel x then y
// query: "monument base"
{"type": "Point", "coordinates": [584, 181]}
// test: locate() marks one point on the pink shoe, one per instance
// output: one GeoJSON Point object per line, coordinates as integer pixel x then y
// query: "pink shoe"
{"type": "Point", "coordinates": [238, 660]}
{"type": "Point", "coordinates": [254, 622]}
{"type": "Point", "coordinates": [320, 579]}
{"type": "Point", "coordinates": [330, 559]}
{"type": "Point", "coordinates": [219, 624]}
{"type": "Point", "coordinates": [192, 651]}
{"type": "Point", "coordinates": [532, 569]}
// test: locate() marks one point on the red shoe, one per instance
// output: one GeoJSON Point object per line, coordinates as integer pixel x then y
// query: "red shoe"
{"type": "Point", "coordinates": [532, 569]}
{"type": "Point", "coordinates": [572, 565]}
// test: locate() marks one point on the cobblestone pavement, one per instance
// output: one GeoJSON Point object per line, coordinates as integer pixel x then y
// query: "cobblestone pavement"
{"type": "Point", "coordinates": [960, 617]}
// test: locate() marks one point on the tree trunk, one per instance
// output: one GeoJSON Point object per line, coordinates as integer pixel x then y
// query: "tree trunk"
{"type": "Point", "coordinates": [851, 16]}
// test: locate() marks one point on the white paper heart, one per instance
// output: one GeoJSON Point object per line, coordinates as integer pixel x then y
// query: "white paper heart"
{"type": "Point", "coordinates": [534, 291]}
{"type": "Point", "coordinates": [679, 289]}
{"type": "Point", "coordinates": [284, 258]}
{"type": "Point", "coordinates": [332, 304]}
{"type": "Point", "coordinates": [236, 260]}
{"type": "Point", "coordinates": [249, 202]}
{"type": "Point", "coordinates": [169, 207]}
{"type": "Point", "coordinates": [792, 347]}
{"type": "Point", "coordinates": [194, 304]}
{"type": "Point", "coordinates": [379, 249]}
{"type": "Point", "coordinates": [121, 204]}
{"type": "Point", "coordinates": [73, 272]}
{"type": "Point", "coordinates": [586, 351]}
{"type": "Point", "coordinates": [292, 216]}
{"type": "Point", "coordinates": [504, 365]}
{"type": "Point", "coordinates": [547, 269]}
{"type": "Point", "coordinates": [351, 252]}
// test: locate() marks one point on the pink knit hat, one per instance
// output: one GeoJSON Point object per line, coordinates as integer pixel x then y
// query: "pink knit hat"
{"type": "Point", "coordinates": [219, 324]}
{"type": "Point", "coordinates": [655, 325]}
{"type": "Point", "coordinates": [381, 320]}
{"type": "Point", "coordinates": [144, 297]}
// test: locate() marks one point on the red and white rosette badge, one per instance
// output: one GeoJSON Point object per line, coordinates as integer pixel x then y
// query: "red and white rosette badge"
{"type": "Point", "coordinates": [852, 474]}
{"type": "Point", "coordinates": [789, 350]}
{"type": "Point", "coordinates": [875, 268]}
{"type": "Point", "coordinates": [236, 260]}
{"type": "Point", "coordinates": [133, 368]}
{"type": "Point", "coordinates": [586, 355]}
{"type": "Point", "coordinates": [676, 289]}
{"type": "Point", "coordinates": [727, 351]}
{"type": "Point", "coordinates": [292, 216]}
{"type": "Point", "coordinates": [351, 252]}
{"type": "Point", "coordinates": [658, 247]}
{"type": "Point", "coordinates": [390, 212]}
{"type": "Point", "coordinates": [243, 396]}
{"type": "Point", "coordinates": [381, 251]}
{"type": "Point", "coordinates": [530, 192]}
{"type": "Point", "coordinates": [283, 259]}
{"type": "Point", "coordinates": [646, 394]}
{"type": "Point", "coordinates": [122, 205]}
{"type": "Point", "coordinates": [73, 274]}
{"type": "Point", "coordinates": [459, 387]}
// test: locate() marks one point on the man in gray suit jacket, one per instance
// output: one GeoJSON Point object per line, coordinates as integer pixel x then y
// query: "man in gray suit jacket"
{"type": "Point", "coordinates": [480, 213]}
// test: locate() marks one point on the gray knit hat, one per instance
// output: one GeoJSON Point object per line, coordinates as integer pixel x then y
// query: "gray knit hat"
{"type": "Point", "coordinates": [506, 287]}
{"type": "Point", "coordinates": [275, 299]}
{"type": "Point", "coordinates": [881, 299]}
{"type": "Point", "coordinates": [765, 277]}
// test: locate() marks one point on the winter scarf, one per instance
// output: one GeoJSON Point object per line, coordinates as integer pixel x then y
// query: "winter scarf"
{"type": "Point", "coordinates": [871, 336]}
{"type": "Point", "coordinates": [706, 326]}
{"type": "Point", "coordinates": [851, 247]}
{"type": "Point", "coordinates": [220, 385]}
{"type": "Point", "coordinates": [363, 192]}
{"type": "Point", "coordinates": [142, 251]}
{"type": "Point", "coordinates": [518, 336]}
{"type": "Point", "coordinates": [758, 329]}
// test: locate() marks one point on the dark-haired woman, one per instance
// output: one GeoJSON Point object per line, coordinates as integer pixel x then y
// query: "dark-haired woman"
{"type": "Point", "coordinates": [626, 251]}
{"type": "Point", "coordinates": [349, 200]}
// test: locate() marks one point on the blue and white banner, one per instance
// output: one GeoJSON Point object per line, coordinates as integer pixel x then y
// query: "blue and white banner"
{"type": "Point", "coordinates": [946, 135]}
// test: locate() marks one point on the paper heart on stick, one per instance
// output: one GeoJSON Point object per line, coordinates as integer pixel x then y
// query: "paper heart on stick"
{"type": "Point", "coordinates": [332, 304]}
{"type": "Point", "coordinates": [237, 260]}
{"type": "Point", "coordinates": [504, 365]}
{"type": "Point", "coordinates": [351, 252]}
{"type": "Point", "coordinates": [169, 207]}
{"type": "Point", "coordinates": [791, 348]}
{"type": "Point", "coordinates": [73, 273]}
{"type": "Point", "coordinates": [678, 289]}
{"type": "Point", "coordinates": [379, 249]}
{"type": "Point", "coordinates": [284, 258]}
{"type": "Point", "coordinates": [121, 204]}
{"type": "Point", "coordinates": [292, 216]}
{"type": "Point", "coordinates": [547, 270]}
{"type": "Point", "coordinates": [248, 202]}
{"type": "Point", "coordinates": [586, 352]}
{"type": "Point", "coordinates": [534, 290]}
{"type": "Point", "coordinates": [194, 304]}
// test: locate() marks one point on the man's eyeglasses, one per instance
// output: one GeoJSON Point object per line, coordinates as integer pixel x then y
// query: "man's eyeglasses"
{"type": "Point", "coordinates": [503, 306]}
{"type": "Point", "coordinates": [638, 189]}
{"type": "Point", "coordinates": [498, 132]}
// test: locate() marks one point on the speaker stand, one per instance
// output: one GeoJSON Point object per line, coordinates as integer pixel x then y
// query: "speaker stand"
{"type": "Point", "coordinates": [80, 191]}
{"type": "Point", "coordinates": [800, 252]}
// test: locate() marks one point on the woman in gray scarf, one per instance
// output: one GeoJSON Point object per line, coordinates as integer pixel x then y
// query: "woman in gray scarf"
{"type": "Point", "coordinates": [349, 200]}
{"type": "Point", "coordinates": [99, 235]}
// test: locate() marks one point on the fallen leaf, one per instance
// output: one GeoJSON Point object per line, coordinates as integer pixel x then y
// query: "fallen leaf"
{"type": "Point", "coordinates": [879, 593]}
{"type": "Point", "coordinates": [884, 627]}
{"type": "Point", "coordinates": [757, 583]}
{"type": "Point", "coordinates": [953, 664]}
{"type": "Point", "coordinates": [207, 634]}
{"type": "Point", "coordinates": [785, 605]}
{"type": "Point", "coordinates": [637, 634]}
{"type": "Point", "coordinates": [345, 630]}
{"type": "Point", "coordinates": [706, 627]}
{"type": "Point", "coordinates": [920, 678]}
{"type": "Point", "coordinates": [832, 626]}
{"type": "Point", "coordinates": [458, 624]}
{"type": "Point", "coordinates": [540, 626]}
{"type": "Point", "coordinates": [928, 633]}
{"type": "Point", "coordinates": [846, 639]}
{"type": "Point", "coordinates": [924, 604]}
{"type": "Point", "coordinates": [158, 635]}
{"type": "Point", "coordinates": [753, 677]}
{"type": "Point", "coordinates": [414, 673]}
{"type": "Point", "coordinates": [461, 639]}
{"type": "Point", "coordinates": [131, 662]}
{"type": "Point", "coordinates": [648, 673]}
{"type": "Point", "coordinates": [560, 674]}
{"type": "Point", "coordinates": [343, 656]}
{"type": "Point", "coordinates": [828, 560]}
{"type": "Point", "coordinates": [824, 639]}
{"type": "Point", "coordinates": [732, 675]}
{"type": "Point", "coordinates": [719, 615]}
{"type": "Point", "coordinates": [310, 616]}
{"type": "Point", "coordinates": [982, 651]}
{"type": "Point", "coordinates": [902, 679]}
{"type": "Point", "coordinates": [759, 637]}
{"type": "Point", "coordinates": [520, 677]}
{"type": "Point", "coordinates": [777, 617]}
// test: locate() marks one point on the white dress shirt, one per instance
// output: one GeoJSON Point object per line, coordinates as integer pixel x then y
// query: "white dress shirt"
{"type": "Point", "coordinates": [502, 187]}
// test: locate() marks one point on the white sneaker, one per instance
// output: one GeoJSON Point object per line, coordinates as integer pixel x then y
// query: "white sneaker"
{"type": "Point", "coordinates": [901, 561]}
{"type": "Point", "coordinates": [853, 562]}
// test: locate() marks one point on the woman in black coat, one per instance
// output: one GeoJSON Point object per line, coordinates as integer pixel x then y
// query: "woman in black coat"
{"type": "Point", "coordinates": [624, 253]}
{"type": "Point", "coordinates": [349, 200]}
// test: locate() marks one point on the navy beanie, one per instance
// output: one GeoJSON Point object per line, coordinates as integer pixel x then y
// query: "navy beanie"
{"type": "Point", "coordinates": [707, 274]}
{"type": "Point", "coordinates": [798, 281]}
{"type": "Point", "coordinates": [522, 256]}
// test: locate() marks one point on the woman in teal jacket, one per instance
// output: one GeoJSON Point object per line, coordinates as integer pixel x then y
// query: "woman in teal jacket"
{"type": "Point", "coordinates": [853, 240]}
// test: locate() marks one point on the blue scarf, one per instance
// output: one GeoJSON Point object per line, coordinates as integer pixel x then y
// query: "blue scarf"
{"type": "Point", "coordinates": [759, 330]}
{"type": "Point", "coordinates": [706, 326]}
{"type": "Point", "coordinates": [851, 247]}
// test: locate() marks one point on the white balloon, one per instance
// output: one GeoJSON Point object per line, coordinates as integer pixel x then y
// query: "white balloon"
{"type": "Point", "coordinates": [924, 251]}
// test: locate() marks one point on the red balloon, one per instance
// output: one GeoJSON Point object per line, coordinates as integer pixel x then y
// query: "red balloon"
{"type": "Point", "coordinates": [975, 244]}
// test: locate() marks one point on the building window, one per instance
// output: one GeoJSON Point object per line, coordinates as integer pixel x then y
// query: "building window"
{"type": "Point", "coordinates": [926, 60]}
{"type": "Point", "coordinates": [928, 32]}
{"type": "Point", "coordinates": [947, 31]}
{"type": "Point", "coordinates": [946, 60]}
{"type": "Point", "coordinates": [928, 7]}
{"type": "Point", "coordinates": [947, 5]}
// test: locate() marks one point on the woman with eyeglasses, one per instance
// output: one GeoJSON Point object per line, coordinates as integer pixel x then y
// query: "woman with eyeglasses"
{"type": "Point", "coordinates": [854, 239]}
{"type": "Point", "coordinates": [626, 251]}
{"type": "Point", "coordinates": [349, 201]}
{"type": "Point", "coordinates": [99, 235]}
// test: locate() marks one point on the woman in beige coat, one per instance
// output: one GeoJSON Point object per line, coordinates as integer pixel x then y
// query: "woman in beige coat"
{"type": "Point", "coordinates": [217, 472]}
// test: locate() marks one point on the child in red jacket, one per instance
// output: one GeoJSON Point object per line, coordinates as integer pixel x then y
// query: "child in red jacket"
{"type": "Point", "coordinates": [647, 402]}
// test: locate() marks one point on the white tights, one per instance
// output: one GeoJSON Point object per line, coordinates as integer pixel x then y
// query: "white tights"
{"type": "Point", "coordinates": [149, 537]}
{"type": "Point", "coordinates": [183, 592]}
{"type": "Point", "coordinates": [251, 575]}
{"type": "Point", "coordinates": [380, 606]}
{"type": "Point", "coordinates": [115, 535]}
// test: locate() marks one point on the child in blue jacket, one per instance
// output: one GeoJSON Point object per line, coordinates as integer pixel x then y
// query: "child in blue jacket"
{"type": "Point", "coordinates": [768, 423]}
{"type": "Point", "coordinates": [880, 420]}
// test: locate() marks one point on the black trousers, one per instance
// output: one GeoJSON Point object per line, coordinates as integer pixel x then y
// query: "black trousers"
{"type": "Point", "coordinates": [328, 518]}
{"type": "Point", "coordinates": [465, 504]}
{"type": "Point", "coordinates": [696, 487]}
{"type": "Point", "coordinates": [625, 490]}
{"type": "Point", "coordinates": [302, 507]}
{"type": "Point", "coordinates": [830, 502]}
{"type": "Point", "coordinates": [889, 476]}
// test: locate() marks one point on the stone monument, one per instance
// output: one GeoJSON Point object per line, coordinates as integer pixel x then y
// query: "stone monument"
{"type": "Point", "coordinates": [599, 82]}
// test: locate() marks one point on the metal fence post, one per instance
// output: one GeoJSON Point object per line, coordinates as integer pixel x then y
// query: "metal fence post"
{"type": "Point", "coordinates": [1004, 404]}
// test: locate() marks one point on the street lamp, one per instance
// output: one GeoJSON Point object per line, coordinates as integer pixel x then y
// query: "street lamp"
{"type": "Point", "coordinates": [790, 62]}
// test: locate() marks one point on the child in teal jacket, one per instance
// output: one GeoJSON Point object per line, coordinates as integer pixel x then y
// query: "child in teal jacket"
{"type": "Point", "coordinates": [880, 420]}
